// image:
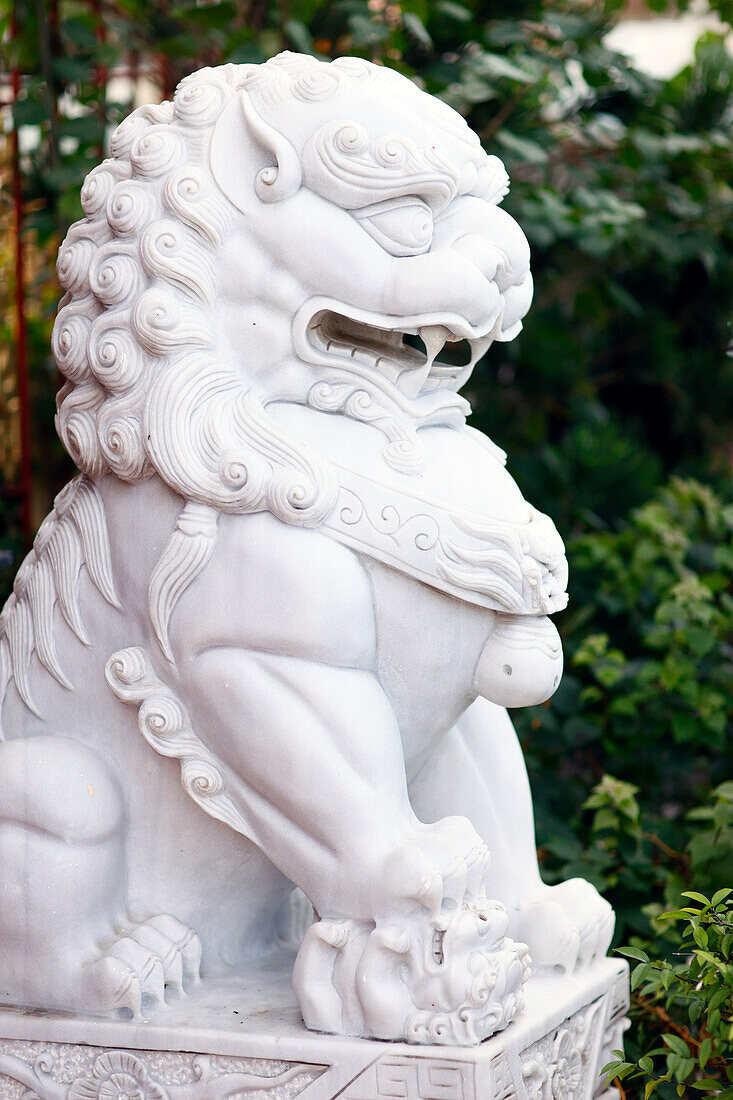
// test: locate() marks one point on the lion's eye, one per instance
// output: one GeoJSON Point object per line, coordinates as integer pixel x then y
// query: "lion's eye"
{"type": "Point", "coordinates": [403, 227]}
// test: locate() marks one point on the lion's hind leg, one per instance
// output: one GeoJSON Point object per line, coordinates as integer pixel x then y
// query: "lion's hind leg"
{"type": "Point", "coordinates": [64, 938]}
{"type": "Point", "coordinates": [61, 866]}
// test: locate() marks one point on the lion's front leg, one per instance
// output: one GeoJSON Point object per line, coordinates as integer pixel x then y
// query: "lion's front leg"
{"type": "Point", "coordinates": [314, 764]}
{"type": "Point", "coordinates": [406, 945]}
{"type": "Point", "coordinates": [478, 769]}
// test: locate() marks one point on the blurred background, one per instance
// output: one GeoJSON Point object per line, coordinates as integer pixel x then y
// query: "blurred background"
{"type": "Point", "coordinates": [615, 405]}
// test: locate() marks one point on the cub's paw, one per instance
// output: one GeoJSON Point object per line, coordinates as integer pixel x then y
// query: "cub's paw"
{"type": "Point", "coordinates": [567, 926]}
{"type": "Point", "coordinates": [146, 960]}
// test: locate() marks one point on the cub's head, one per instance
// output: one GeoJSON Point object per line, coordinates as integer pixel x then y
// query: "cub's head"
{"type": "Point", "coordinates": [451, 977]}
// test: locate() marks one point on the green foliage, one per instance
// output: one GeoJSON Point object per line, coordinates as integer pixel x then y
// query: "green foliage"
{"type": "Point", "coordinates": [693, 999]}
{"type": "Point", "coordinates": [682, 969]}
{"type": "Point", "coordinates": [649, 699]}
{"type": "Point", "coordinates": [649, 687]}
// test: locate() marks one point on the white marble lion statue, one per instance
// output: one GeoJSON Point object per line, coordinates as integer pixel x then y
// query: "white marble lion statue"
{"type": "Point", "coordinates": [266, 636]}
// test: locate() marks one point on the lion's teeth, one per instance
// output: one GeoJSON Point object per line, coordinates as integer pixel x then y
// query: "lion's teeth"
{"type": "Point", "coordinates": [434, 337]}
{"type": "Point", "coordinates": [414, 379]}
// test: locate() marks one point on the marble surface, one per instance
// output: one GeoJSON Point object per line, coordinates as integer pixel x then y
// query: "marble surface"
{"type": "Point", "coordinates": [252, 1026]}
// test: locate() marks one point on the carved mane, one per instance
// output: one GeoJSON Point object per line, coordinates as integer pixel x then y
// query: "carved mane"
{"type": "Point", "coordinates": [139, 274]}
{"type": "Point", "coordinates": [134, 335]}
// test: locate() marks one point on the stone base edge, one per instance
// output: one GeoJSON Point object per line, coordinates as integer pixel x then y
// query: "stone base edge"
{"type": "Point", "coordinates": [561, 1061]}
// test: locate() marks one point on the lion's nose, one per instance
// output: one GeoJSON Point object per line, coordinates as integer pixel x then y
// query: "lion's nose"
{"type": "Point", "coordinates": [506, 269]}
{"type": "Point", "coordinates": [496, 246]}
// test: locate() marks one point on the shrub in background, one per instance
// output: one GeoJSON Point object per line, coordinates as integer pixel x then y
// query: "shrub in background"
{"type": "Point", "coordinates": [648, 698]}
{"type": "Point", "coordinates": [682, 971]}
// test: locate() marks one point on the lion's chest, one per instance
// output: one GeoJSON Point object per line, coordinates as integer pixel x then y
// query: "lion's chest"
{"type": "Point", "coordinates": [428, 645]}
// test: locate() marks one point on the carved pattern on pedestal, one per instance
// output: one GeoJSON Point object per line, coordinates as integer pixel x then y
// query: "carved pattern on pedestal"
{"type": "Point", "coordinates": [61, 1071]}
{"type": "Point", "coordinates": [563, 1064]}
{"type": "Point", "coordinates": [502, 1084]}
{"type": "Point", "coordinates": [414, 1079]}
{"type": "Point", "coordinates": [613, 1035]}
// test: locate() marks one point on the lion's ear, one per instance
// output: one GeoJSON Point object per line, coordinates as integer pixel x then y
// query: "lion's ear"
{"type": "Point", "coordinates": [247, 154]}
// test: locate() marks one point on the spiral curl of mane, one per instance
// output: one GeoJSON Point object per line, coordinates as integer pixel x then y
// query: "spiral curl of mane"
{"type": "Point", "coordinates": [139, 271]}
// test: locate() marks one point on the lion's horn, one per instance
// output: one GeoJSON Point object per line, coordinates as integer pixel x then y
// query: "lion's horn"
{"type": "Point", "coordinates": [283, 179]}
{"type": "Point", "coordinates": [243, 148]}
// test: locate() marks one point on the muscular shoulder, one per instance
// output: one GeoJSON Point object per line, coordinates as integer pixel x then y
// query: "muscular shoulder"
{"type": "Point", "coordinates": [280, 589]}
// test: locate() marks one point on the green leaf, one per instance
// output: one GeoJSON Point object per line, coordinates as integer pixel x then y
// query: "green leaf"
{"type": "Point", "coordinates": [638, 975]}
{"type": "Point", "coordinates": [704, 1052]}
{"type": "Point", "coordinates": [700, 937]}
{"type": "Point", "coordinates": [676, 1044]}
{"type": "Point", "coordinates": [616, 1069]}
{"type": "Point", "coordinates": [633, 953]}
{"type": "Point", "coordinates": [718, 998]}
{"type": "Point", "coordinates": [694, 896]}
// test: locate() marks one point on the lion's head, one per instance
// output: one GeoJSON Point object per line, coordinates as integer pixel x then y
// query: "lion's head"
{"type": "Point", "coordinates": [270, 234]}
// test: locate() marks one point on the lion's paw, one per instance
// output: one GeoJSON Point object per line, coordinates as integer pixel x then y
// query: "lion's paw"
{"type": "Point", "coordinates": [567, 926]}
{"type": "Point", "coordinates": [145, 961]}
{"type": "Point", "coordinates": [440, 865]}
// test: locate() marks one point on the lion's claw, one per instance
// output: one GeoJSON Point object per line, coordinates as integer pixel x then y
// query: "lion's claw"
{"type": "Point", "coordinates": [137, 968]}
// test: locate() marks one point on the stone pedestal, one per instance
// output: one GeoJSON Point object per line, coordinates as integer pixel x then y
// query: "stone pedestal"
{"type": "Point", "coordinates": [233, 1038]}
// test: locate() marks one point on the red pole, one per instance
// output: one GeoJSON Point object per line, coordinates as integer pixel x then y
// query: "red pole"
{"type": "Point", "coordinates": [100, 72]}
{"type": "Point", "coordinates": [24, 400]}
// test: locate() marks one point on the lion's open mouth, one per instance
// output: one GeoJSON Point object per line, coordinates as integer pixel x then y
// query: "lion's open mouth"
{"type": "Point", "coordinates": [385, 351]}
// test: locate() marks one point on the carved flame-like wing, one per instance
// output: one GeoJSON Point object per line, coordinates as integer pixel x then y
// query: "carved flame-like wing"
{"type": "Point", "coordinates": [72, 536]}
